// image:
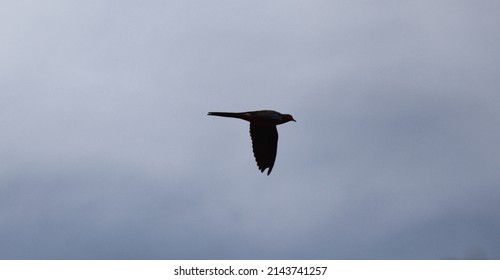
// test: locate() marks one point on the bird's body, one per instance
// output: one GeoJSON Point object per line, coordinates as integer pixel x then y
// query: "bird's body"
{"type": "Point", "coordinates": [263, 133]}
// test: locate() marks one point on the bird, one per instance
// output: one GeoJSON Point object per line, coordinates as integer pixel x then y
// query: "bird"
{"type": "Point", "coordinates": [263, 133]}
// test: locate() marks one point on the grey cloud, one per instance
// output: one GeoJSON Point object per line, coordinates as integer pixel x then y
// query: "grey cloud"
{"type": "Point", "coordinates": [108, 153]}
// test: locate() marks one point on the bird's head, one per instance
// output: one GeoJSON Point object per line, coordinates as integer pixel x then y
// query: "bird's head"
{"type": "Point", "coordinates": [287, 118]}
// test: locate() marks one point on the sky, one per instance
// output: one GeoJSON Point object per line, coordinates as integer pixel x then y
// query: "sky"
{"type": "Point", "coordinates": [108, 153]}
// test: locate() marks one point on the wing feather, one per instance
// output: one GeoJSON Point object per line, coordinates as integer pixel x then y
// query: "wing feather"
{"type": "Point", "coordinates": [265, 145]}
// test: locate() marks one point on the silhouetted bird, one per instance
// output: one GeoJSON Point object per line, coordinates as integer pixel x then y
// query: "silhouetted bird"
{"type": "Point", "coordinates": [263, 133]}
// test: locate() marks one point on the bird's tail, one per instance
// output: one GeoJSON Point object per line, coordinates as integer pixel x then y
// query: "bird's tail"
{"type": "Point", "coordinates": [243, 116]}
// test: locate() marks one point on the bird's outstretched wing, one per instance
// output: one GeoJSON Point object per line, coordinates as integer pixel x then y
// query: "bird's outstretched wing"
{"type": "Point", "coordinates": [265, 145]}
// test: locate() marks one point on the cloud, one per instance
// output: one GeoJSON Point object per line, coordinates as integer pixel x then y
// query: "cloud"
{"type": "Point", "coordinates": [108, 152]}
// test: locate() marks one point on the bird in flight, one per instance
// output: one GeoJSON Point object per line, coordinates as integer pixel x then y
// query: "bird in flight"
{"type": "Point", "coordinates": [263, 133]}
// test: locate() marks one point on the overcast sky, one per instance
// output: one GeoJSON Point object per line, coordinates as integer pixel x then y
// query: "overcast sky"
{"type": "Point", "coordinates": [107, 151]}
